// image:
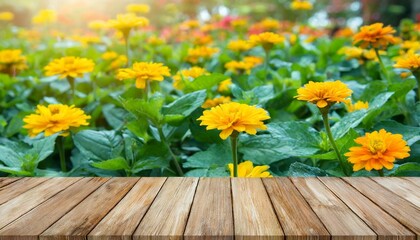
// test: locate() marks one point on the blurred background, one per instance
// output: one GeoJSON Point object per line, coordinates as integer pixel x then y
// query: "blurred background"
{"type": "Point", "coordinates": [325, 13]}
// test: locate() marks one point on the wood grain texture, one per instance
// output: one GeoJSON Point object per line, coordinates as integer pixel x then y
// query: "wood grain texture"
{"type": "Point", "coordinates": [167, 217]}
{"type": "Point", "coordinates": [404, 188]}
{"type": "Point", "coordinates": [298, 220]}
{"type": "Point", "coordinates": [124, 218]}
{"type": "Point", "coordinates": [339, 220]}
{"type": "Point", "coordinates": [415, 180]}
{"type": "Point", "coordinates": [254, 216]}
{"type": "Point", "coordinates": [385, 226]}
{"type": "Point", "coordinates": [405, 212]}
{"type": "Point", "coordinates": [77, 223]}
{"type": "Point", "coordinates": [16, 188]}
{"type": "Point", "coordinates": [25, 228]}
{"type": "Point", "coordinates": [211, 213]}
{"type": "Point", "coordinates": [23, 203]}
{"type": "Point", "coordinates": [6, 181]}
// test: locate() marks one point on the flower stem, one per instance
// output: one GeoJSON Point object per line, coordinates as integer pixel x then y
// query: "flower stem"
{"type": "Point", "coordinates": [266, 63]}
{"type": "Point", "coordinates": [324, 114]}
{"type": "Point", "coordinates": [381, 63]}
{"type": "Point", "coordinates": [417, 75]}
{"type": "Point", "coordinates": [381, 172]}
{"type": "Point", "coordinates": [73, 89]}
{"type": "Point", "coordinates": [174, 158]}
{"type": "Point", "coordinates": [146, 90]}
{"type": "Point", "coordinates": [234, 146]}
{"type": "Point", "coordinates": [127, 50]}
{"type": "Point", "coordinates": [61, 153]}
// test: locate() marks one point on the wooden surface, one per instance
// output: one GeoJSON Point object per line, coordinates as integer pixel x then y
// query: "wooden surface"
{"type": "Point", "coordinates": [210, 208]}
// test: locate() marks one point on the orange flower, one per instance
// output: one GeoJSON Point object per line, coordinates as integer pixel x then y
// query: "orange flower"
{"type": "Point", "coordinates": [209, 103]}
{"type": "Point", "coordinates": [324, 94]}
{"type": "Point", "coordinates": [266, 39]}
{"type": "Point", "coordinates": [230, 117]}
{"type": "Point", "coordinates": [378, 150]}
{"type": "Point", "coordinates": [375, 35]}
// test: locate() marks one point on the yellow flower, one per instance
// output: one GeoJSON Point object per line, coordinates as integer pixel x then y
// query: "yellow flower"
{"type": "Point", "coordinates": [371, 54]}
{"type": "Point", "coordinates": [87, 39]}
{"type": "Point", "coordinates": [118, 62]}
{"type": "Point", "coordinates": [253, 60]}
{"type": "Point", "coordinates": [45, 16]}
{"type": "Point", "coordinates": [378, 150]}
{"type": "Point", "coordinates": [405, 74]}
{"type": "Point", "coordinates": [109, 55]}
{"type": "Point", "coordinates": [190, 24]}
{"type": "Point", "coordinates": [239, 45]}
{"type": "Point", "coordinates": [239, 22]}
{"type": "Point", "coordinates": [138, 8]}
{"type": "Point", "coordinates": [69, 67]}
{"type": "Point", "coordinates": [55, 118]}
{"type": "Point", "coordinates": [203, 52]}
{"type": "Point", "coordinates": [375, 35]}
{"type": "Point", "coordinates": [269, 24]}
{"type": "Point", "coordinates": [410, 61]}
{"type": "Point", "coordinates": [301, 5]}
{"type": "Point", "coordinates": [344, 32]}
{"type": "Point", "coordinates": [155, 41]}
{"type": "Point", "coordinates": [11, 60]}
{"type": "Point", "coordinates": [357, 106]}
{"type": "Point", "coordinates": [98, 25]}
{"type": "Point", "coordinates": [324, 94]}
{"type": "Point", "coordinates": [410, 46]}
{"type": "Point", "coordinates": [247, 169]}
{"type": "Point", "coordinates": [187, 75]}
{"type": "Point", "coordinates": [233, 116]}
{"type": "Point", "coordinates": [144, 71]}
{"type": "Point", "coordinates": [203, 40]}
{"type": "Point", "coordinates": [266, 39]}
{"type": "Point", "coordinates": [209, 103]}
{"type": "Point", "coordinates": [6, 16]}
{"type": "Point", "coordinates": [239, 66]}
{"type": "Point", "coordinates": [224, 86]}
{"type": "Point", "coordinates": [125, 22]}
{"type": "Point", "coordinates": [352, 52]}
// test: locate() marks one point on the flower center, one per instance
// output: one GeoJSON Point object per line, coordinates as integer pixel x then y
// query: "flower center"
{"type": "Point", "coordinates": [377, 145]}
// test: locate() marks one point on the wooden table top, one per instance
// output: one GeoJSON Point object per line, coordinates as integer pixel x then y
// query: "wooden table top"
{"type": "Point", "coordinates": [211, 208]}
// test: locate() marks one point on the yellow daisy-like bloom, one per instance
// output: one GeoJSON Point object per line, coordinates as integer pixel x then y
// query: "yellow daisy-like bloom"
{"type": "Point", "coordinates": [144, 71]}
{"type": "Point", "coordinates": [233, 116]}
{"type": "Point", "coordinates": [410, 61]}
{"type": "Point", "coordinates": [324, 94]}
{"type": "Point", "coordinates": [69, 67]}
{"type": "Point", "coordinates": [247, 169]}
{"type": "Point", "coordinates": [109, 55]}
{"type": "Point", "coordinates": [189, 24]}
{"type": "Point", "coordinates": [410, 46]}
{"type": "Point", "coordinates": [187, 75]}
{"type": "Point", "coordinates": [224, 86]}
{"type": "Point", "coordinates": [202, 52]}
{"type": "Point", "coordinates": [357, 106]}
{"type": "Point", "coordinates": [6, 16]}
{"type": "Point", "coordinates": [375, 35]}
{"type": "Point", "coordinates": [155, 41]}
{"type": "Point", "coordinates": [239, 23]}
{"type": "Point", "coordinates": [266, 39]}
{"type": "Point", "coordinates": [138, 8]}
{"type": "Point", "coordinates": [352, 52]}
{"type": "Point", "coordinates": [344, 32]}
{"type": "Point", "coordinates": [118, 62]}
{"type": "Point", "coordinates": [253, 60]}
{"type": "Point", "coordinates": [239, 66]}
{"type": "Point", "coordinates": [12, 60]}
{"type": "Point", "coordinates": [45, 16]}
{"type": "Point", "coordinates": [378, 150]}
{"type": "Point", "coordinates": [55, 118]}
{"type": "Point", "coordinates": [209, 103]}
{"type": "Point", "coordinates": [239, 45]}
{"type": "Point", "coordinates": [301, 5]}
{"type": "Point", "coordinates": [269, 24]}
{"type": "Point", "coordinates": [98, 25]}
{"type": "Point", "coordinates": [125, 22]}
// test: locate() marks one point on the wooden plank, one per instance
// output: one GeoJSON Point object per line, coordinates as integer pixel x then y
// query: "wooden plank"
{"type": "Point", "coordinates": [7, 180]}
{"type": "Point", "coordinates": [211, 213]}
{"type": "Point", "coordinates": [124, 218]}
{"type": "Point", "coordinates": [339, 220]}
{"type": "Point", "coordinates": [32, 224]}
{"type": "Point", "coordinates": [77, 223]}
{"type": "Point", "coordinates": [298, 220]}
{"type": "Point", "coordinates": [405, 212]}
{"type": "Point", "coordinates": [169, 212]}
{"type": "Point", "coordinates": [254, 216]}
{"type": "Point", "coordinates": [23, 203]}
{"type": "Point", "coordinates": [402, 187]}
{"type": "Point", "coordinates": [415, 180]}
{"type": "Point", "coordinates": [16, 188]}
{"type": "Point", "coordinates": [385, 226]}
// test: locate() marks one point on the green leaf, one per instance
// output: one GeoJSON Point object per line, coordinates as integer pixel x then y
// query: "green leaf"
{"type": "Point", "coordinates": [145, 109]}
{"type": "Point", "coordinates": [217, 155]}
{"type": "Point", "coordinates": [217, 172]}
{"type": "Point", "coordinates": [99, 145]}
{"type": "Point", "coordinates": [114, 116]}
{"type": "Point", "coordinates": [174, 119]}
{"type": "Point", "coordinates": [407, 169]}
{"type": "Point", "coordinates": [298, 169]}
{"type": "Point", "coordinates": [43, 148]}
{"type": "Point", "coordinates": [186, 104]}
{"type": "Point", "coordinates": [10, 157]}
{"type": "Point", "coordinates": [118, 163]}
{"type": "Point", "coordinates": [204, 82]}
{"type": "Point", "coordinates": [139, 128]}
{"type": "Point", "coordinates": [410, 134]}
{"type": "Point", "coordinates": [284, 140]}
{"type": "Point", "coordinates": [15, 171]}
{"type": "Point", "coordinates": [153, 155]}
{"type": "Point", "coordinates": [15, 125]}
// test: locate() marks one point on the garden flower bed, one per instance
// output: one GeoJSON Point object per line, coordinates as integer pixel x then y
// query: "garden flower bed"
{"type": "Point", "coordinates": [223, 97]}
